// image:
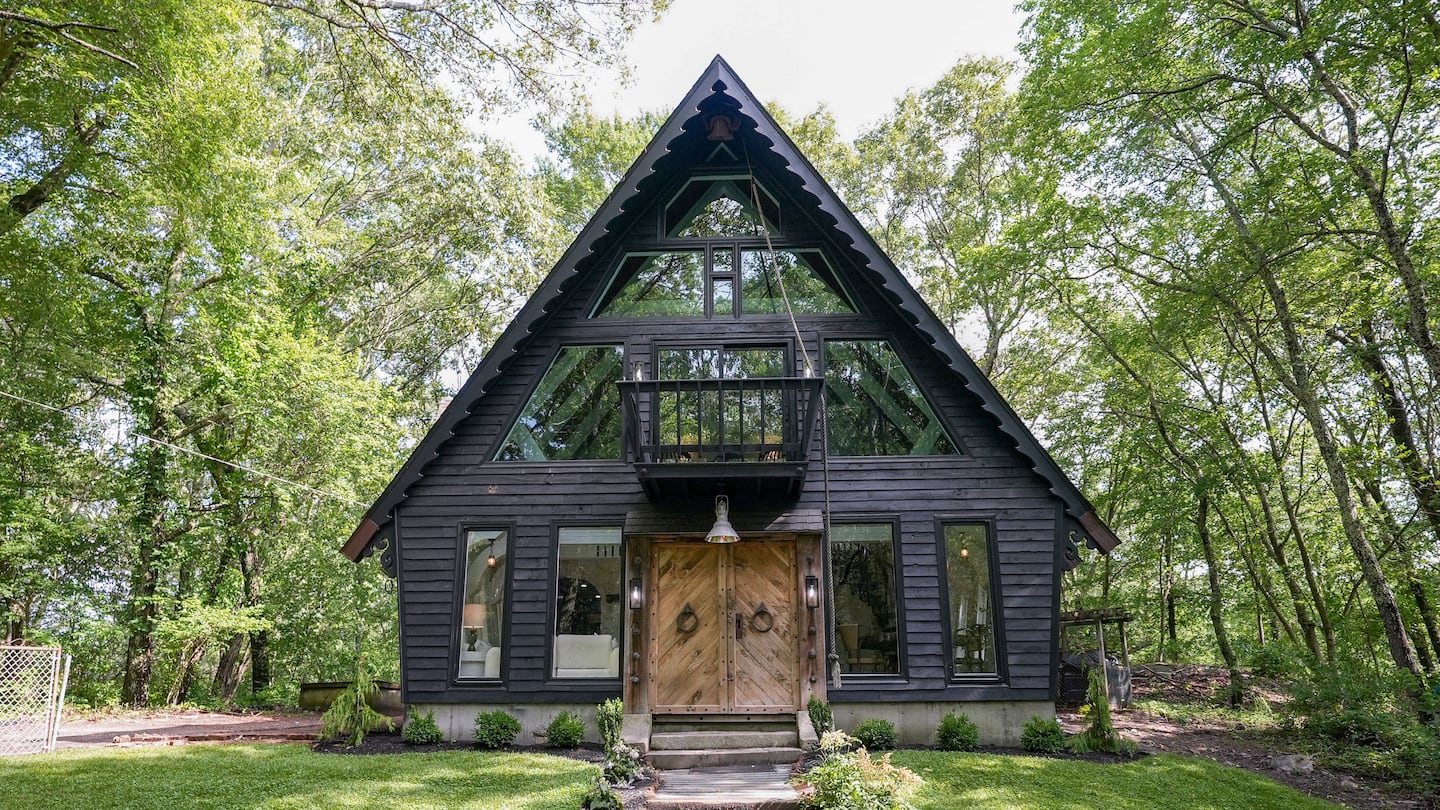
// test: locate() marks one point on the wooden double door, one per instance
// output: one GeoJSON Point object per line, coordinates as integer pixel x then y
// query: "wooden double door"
{"type": "Point", "coordinates": [723, 628]}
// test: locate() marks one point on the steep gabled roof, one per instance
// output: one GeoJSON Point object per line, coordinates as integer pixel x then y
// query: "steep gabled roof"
{"type": "Point", "coordinates": [681, 140]}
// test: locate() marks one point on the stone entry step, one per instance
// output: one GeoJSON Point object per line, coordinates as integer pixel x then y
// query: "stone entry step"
{"type": "Point", "coordinates": [723, 740]}
{"type": "Point", "coordinates": [744, 787]}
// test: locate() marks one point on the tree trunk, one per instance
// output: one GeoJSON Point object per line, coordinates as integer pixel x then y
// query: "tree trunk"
{"type": "Point", "coordinates": [23, 204]}
{"type": "Point", "coordinates": [250, 569]}
{"type": "Point", "coordinates": [230, 669]}
{"type": "Point", "coordinates": [1217, 615]}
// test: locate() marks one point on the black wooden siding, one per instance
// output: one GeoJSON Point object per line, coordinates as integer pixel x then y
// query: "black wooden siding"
{"type": "Point", "coordinates": [464, 488]}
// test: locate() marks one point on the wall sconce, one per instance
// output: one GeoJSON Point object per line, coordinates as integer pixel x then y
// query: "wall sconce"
{"type": "Point", "coordinates": [812, 591]}
{"type": "Point", "coordinates": [637, 594]}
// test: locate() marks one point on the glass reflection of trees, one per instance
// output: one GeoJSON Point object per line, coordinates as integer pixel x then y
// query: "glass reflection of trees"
{"type": "Point", "coordinates": [768, 279]}
{"type": "Point", "coordinates": [875, 407]}
{"type": "Point", "coordinates": [574, 412]}
{"type": "Point", "coordinates": [711, 418]}
{"type": "Point", "coordinates": [863, 560]}
{"type": "Point", "coordinates": [670, 284]}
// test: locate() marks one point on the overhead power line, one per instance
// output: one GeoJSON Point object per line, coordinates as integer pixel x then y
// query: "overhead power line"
{"type": "Point", "coordinates": [199, 454]}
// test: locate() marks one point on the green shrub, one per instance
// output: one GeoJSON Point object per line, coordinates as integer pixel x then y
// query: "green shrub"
{"type": "Point", "coordinates": [849, 779]}
{"type": "Point", "coordinates": [820, 715]}
{"type": "Point", "coordinates": [565, 731]}
{"type": "Point", "coordinates": [1042, 735]}
{"type": "Point", "coordinates": [601, 797]}
{"type": "Point", "coordinates": [623, 764]}
{"type": "Point", "coordinates": [496, 729]}
{"type": "Point", "coordinates": [1100, 735]}
{"type": "Point", "coordinates": [876, 734]}
{"type": "Point", "coordinates": [350, 716]}
{"type": "Point", "coordinates": [420, 729]}
{"type": "Point", "coordinates": [957, 733]}
{"type": "Point", "coordinates": [610, 717]}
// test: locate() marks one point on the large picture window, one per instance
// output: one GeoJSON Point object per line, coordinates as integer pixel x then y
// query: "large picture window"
{"type": "Point", "coordinates": [875, 407]}
{"type": "Point", "coordinates": [863, 560]}
{"type": "Point", "coordinates": [482, 612]}
{"type": "Point", "coordinates": [972, 602]}
{"type": "Point", "coordinates": [574, 412]}
{"type": "Point", "coordinates": [588, 604]}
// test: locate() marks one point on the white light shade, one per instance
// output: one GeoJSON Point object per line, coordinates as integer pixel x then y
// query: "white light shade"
{"type": "Point", "coordinates": [722, 531]}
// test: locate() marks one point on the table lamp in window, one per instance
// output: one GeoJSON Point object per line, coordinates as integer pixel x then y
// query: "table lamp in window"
{"type": "Point", "coordinates": [473, 622]}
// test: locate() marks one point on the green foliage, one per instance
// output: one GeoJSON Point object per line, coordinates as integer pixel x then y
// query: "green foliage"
{"type": "Point", "coordinates": [420, 729]}
{"type": "Point", "coordinates": [876, 734]}
{"type": "Point", "coordinates": [1042, 735]}
{"type": "Point", "coordinates": [1350, 702]}
{"type": "Point", "coordinates": [601, 796]}
{"type": "Point", "coordinates": [566, 730]}
{"type": "Point", "coordinates": [267, 775]}
{"type": "Point", "coordinates": [610, 718]}
{"type": "Point", "coordinates": [1100, 733]}
{"type": "Point", "coordinates": [350, 716]}
{"type": "Point", "coordinates": [848, 778]}
{"type": "Point", "coordinates": [991, 782]}
{"type": "Point", "coordinates": [623, 764]}
{"type": "Point", "coordinates": [496, 729]}
{"type": "Point", "coordinates": [957, 732]}
{"type": "Point", "coordinates": [821, 717]}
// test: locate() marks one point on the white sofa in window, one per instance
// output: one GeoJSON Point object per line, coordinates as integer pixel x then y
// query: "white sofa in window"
{"type": "Point", "coordinates": [482, 663]}
{"type": "Point", "coordinates": [587, 656]}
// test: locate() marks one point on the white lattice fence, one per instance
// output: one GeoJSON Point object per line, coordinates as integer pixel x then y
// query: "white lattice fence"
{"type": "Point", "coordinates": [32, 690]}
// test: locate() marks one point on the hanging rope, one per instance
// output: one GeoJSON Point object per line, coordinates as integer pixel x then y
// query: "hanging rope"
{"type": "Point", "coordinates": [832, 659]}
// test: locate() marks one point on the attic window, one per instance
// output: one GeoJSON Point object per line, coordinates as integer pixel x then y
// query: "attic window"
{"type": "Point", "coordinates": [717, 207]}
{"type": "Point", "coordinates": [803, 276]}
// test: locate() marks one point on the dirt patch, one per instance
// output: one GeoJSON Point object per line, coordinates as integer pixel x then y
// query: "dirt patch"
{"type": "Point", "coordinates": [178, 727]}
{"type": "Point", "coordinates": [1233, 744]}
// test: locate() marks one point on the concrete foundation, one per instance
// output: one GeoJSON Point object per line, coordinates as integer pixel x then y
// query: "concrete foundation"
{"type": "Point", "coordinates": [457, 720]}
{"type": "Point", "coordinates": [999, 722]}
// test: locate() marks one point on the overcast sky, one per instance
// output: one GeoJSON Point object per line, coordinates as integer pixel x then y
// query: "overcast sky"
{"type": "Point", "coordinates": [855, 56]}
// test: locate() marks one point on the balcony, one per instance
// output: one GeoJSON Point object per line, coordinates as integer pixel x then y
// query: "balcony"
{"type": "Point", "coordinates": [752, 436]}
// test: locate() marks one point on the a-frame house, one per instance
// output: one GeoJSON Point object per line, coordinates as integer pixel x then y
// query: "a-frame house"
{"type": "Point", "coordinates": [901, 540]}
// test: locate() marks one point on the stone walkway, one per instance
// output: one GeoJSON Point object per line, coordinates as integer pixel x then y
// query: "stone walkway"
{"type": "Point", "coordinates": [740, 787]}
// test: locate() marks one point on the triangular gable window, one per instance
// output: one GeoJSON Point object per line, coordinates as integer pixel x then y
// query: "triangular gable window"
{"type": "Point", "coordinates": [574, 412]}
{"type": "Point", "coordinates": [771, 280]}
{"type": "Point", "coordinates": [710, 208]}
{"type": "Point", "coordinates": [875, 408]}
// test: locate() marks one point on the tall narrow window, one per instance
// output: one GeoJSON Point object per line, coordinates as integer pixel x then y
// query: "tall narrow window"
{"type": "Point", "coordinates": [588, 603]}
{"type": "Point", "coordinates": [875, 407]}
{"type": "Point", "coordinates": [863, 559]}
{"type": "Point", "coordinates": [482, 612]}
{"type": "Point", "coordinates": [574, 412]}
{"type": "Point", "coordinates": [972, 606]}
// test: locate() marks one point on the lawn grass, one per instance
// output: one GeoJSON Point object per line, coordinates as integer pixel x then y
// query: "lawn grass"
{"type": "Point", "coordinates": [992, 782]}
{"type": "Point", "coordinates": [291, 776]}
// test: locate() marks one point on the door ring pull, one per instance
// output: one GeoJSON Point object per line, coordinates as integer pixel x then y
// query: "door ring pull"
{"type": "Point", "coordinates": [687, 622]}
{"type": "Point", "coordinates": [763, 621]}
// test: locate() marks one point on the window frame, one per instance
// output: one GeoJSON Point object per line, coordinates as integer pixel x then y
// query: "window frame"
{"type": "Point", "coordinates": [553, 595]}
{"type": "Point", "coordinates": [997, 600]}
{"type": "Point", "coordinates": [902, 664]}
{"type": "Point", "coordinates": [457, 638]}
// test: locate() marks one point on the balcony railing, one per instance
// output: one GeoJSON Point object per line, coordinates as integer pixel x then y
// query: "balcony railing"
{"type": "Point", "coordinates": [686, 436]}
